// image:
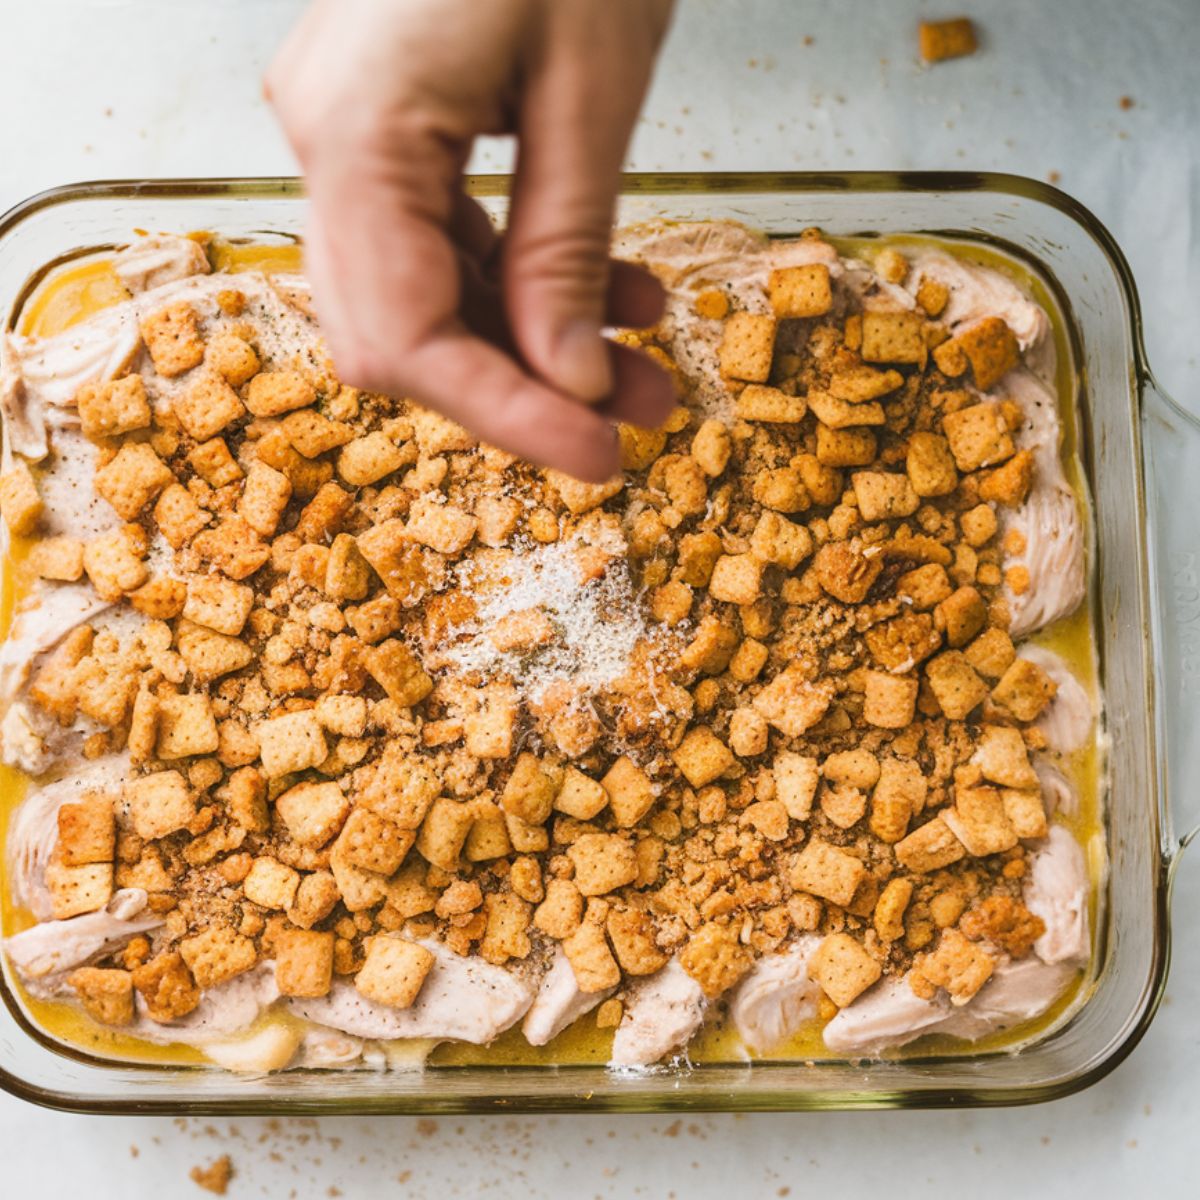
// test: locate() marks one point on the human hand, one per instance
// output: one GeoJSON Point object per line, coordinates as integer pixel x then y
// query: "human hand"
{"type": "Point", "coordinates": [417, 295]}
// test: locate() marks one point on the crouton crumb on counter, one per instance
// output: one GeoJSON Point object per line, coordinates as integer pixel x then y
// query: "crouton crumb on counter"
{"type": "Point", "coordinates": [331, 712]}
{"type": "Point", "coordinates": [215, 1177]}
{"type": "Point", "coordinates": [954, 38]}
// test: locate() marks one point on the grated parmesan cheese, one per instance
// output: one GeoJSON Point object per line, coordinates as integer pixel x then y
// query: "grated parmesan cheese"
{"type": "Point", "coordinates": [597, 622]}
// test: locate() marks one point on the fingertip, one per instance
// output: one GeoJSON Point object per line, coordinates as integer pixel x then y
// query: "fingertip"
{"type": "Point", "coordinates": [636, 299]}
{"type": "Point", "coordinates": [477, 385]}
{"type": "Point", "coordinates": [643, 393]}
{"type": "Point", "coordinates": [600, 461]}
{"type": "Point", "coordinates": [578, 363]}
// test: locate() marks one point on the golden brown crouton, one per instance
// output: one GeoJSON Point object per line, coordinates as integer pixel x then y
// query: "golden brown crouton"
{"type": "Point", "coordinates": [232, 547]}
{"type": "Point", "coordinates": [395, 559]}
{"type": "Point", "coordinates": [711, 447]}
{"type": "Point", "coordinates": [208, 654]}
{"type": "Point", "coordinates": [232, 357]}
{"type": "Point", "coordinates": [172, 335]}
{"type": "Point", "coordinates": [313, 812]}
{"type": "Point", "coordinates": [76, 890]}
{"type": "Point", "coordinates": [591, 960]}
{"type": "Point", "coordinates": [756, 402]}
{"type": "Point", "coordinates": [803, 291]}
{"type": "Point", "coordinates": [393, 971]}
{"type": "Point", "coordinates": [443, 832]}
{"type": "Point", "coordinates": [560, 912]}
{"type": "Point", "coordinates": [777, 540]}
{"type": "Point", "coordinates": [932, 295]}
{"type": "Point", "coordinates": [955, 685]}
{"type": "Point", "coordinates": [1024, 690]}
{"type": "Point", "coordinates": [991, 349]}
{"type": "Point", "coordinates": [888, 917]}
{"type": "Point", "coordinates": [207, 406]}
{"type": "Point", "coordinates": [397, 670]}
{"type": "Point", "coordinates": [186, 726]}
{"type": "Point", "coordinates": [884, 495]}
{"type": "Point", "coordinates": [114, 561]}
{"type": "Point", "coordinates": [86, 830]}
{"type": "Point", "coordinates": [781, 489]}
{"type": "Point", "coordinates": [843, 968]}
{"type": "Point", "coordinates": [630, 792]}
{"type": "Point", "coordinates": [1010, 483]}
{"type": "Point", "coordinates": [929, 848]}
{"type": "Point", "coordinates": [580, 796]}
{"type": "Point", "coordinates": [106, 994]}
{"type": "Point", "coordinates": [59, 558]}
{"type": "Point", "coordinates": [581, 497]}
{"type": "Point", "coordinates": [264, 498]}
{"type": "Point", "coordinates": [979, 821]}
{"type": "Point", "coordinates": [445, 528]}
{"type": "Point", "coordinates": [925, 586]}
{"type": "Point", "coordinates": [217, 954]}
{"type": "Point", "coordinates": [747, 346]}
{"type": "Point", "coordinates": [270, 883]}
{"type": "Point", "coordinates": [113, 408]}
{"type": "Point", "coordinates": [603, 862]}
{"type": "Point", "coordinates": [702, 756]}
{"type": "Point", "coordinates": [930, 465]}
{"type": "Point", "coordinates": [506, 928]}
{"type": "Point", "coordinates": [715, 958]}
{"type": "Point", "coordinates": [631, 933]}
{"type": "Point", "coordinates": [214, 464]}
{"type": "Point", "coordinates": [218, 603]}
{"type": "Point", "coordinates": [893, 337]}
{"type": "Point", "coordinates": [991, 653]}
{"type": "Point", "coordinates": [979, 436]}
{"type": "Point", "coordinates": [530, 791]}
{"type": "Point", "coordinates": [736, 579]}
{"type": "Point", "coordinates": [159, 803]}
{"type": "Point", "coordinates": [291, 742]}
{"type": "Point", "coordinates": [273, 393]}
{"type": "Point", "coordinates": [957, 965]}
{"type": "Point", "coordinates": [962, 615]}
{"type": "Point", "coordinates": [860, 383]}
{"type": "Point", "coordinates": [167, 987]}
{"type": "Point", "coordinates": [846, 570]}
{"type": "Point", "coordinates": [828, 872]}
{"type": "Point", "coordinates": [898, 796]}
{"type": "Point", "coordinates": [134, 477]}
{"type": "Point", "coordinates": [842, 414]}
{"type": "Point", "coordinates": [845, 447]}
{"type": "Point", "coordinates": [1003, 758]}
{"type": "Point", "coordinates": [303, 962]}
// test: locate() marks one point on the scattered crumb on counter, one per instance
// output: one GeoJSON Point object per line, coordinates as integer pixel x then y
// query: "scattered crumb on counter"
{"type": "Point", "coordinates": [954, 38]}
{"type": "Point", "coordinates": [215, 1177]}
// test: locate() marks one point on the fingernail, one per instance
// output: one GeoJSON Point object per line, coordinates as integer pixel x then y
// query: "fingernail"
{"type": "Point", "coordinates": [580, 362]}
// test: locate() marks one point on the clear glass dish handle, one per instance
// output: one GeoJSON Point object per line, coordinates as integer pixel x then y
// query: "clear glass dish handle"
{"type": "Point", "coordinates": [1171, 443]}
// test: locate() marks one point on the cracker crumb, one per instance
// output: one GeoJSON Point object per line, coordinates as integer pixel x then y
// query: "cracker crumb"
{"type": "Point", "coordinates": [215, 1177]}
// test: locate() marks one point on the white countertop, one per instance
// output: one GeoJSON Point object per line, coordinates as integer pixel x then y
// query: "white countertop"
{"type": "Point", "coordinates": [141, 88]}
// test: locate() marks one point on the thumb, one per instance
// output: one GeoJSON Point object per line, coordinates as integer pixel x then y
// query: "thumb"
{"type": "Point", "coordinates": [583, 89]}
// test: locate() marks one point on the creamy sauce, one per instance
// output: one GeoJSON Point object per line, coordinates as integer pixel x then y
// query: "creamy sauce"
{"type": "Point", "coordinates": [78, 292]}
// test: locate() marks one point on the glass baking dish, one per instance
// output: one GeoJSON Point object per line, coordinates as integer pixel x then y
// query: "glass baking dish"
{"type": "Point", "coordinates": [1141, 453]}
